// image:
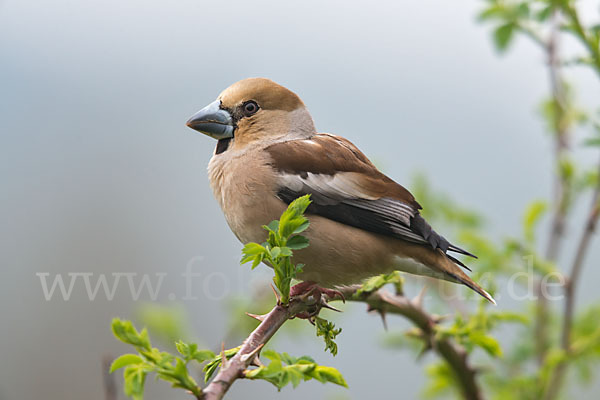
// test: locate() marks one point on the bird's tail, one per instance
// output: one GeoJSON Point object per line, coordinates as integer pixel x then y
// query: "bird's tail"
{"type": "Point", "coordinates": [422, 260]}
{"type": "Point", "coordinates": [455, 274]}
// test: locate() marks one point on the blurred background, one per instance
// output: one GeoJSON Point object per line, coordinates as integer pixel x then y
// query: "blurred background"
{"type": "Point", "coordinates": [100, 174]}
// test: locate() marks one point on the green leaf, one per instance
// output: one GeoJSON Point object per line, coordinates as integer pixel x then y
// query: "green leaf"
{"type": "Point", "coordinates": [566, 168]}
{"type": "Point", "coordinates": [592, 142]}
{"type": "Point", "coordinates": [134, 377]}
{"type": "Point", "coordinates": [191, 352]}
{"type": "Point", "coordinates": [302, 227]}
{"type": "Point", "coordinates": [253, 249]}
{"type": "Point", "coordinates": [523, 10]}
{"type": "Point", "coordinates": [495, 11]}
{"type": "Point", "coordinates": [503, 35]}
{"type": "Point", "coordinates": [297, 242]}
{"type": "Point", "coordinates": [554, 357]}
{"type": "Point", "coordinates": [544, 13]}
{"type": "Point", "coordinates": [125, 331]}
{"type": "Point", "coordinates": [441, 379]}
{"type": "Point", "coordinates": [153, 360]}
{"type": "Point", "coordinates": [203, 355]}
{"type": "Point", "coordinates": [125, 360]}
{"type": "Point", "coordinates": [327, 330]}
{"type": "Point", "coordinates": [275, 252]}
{"type": "Point", "coordinates": [210, 368]}
{"type": "Point", "coordinates": [274, 356]}
{"type": "Point", "coordinates": [292, 225]}
{"type": "Point", "coordinates": [328, 374]}
{"type": "Point", "coordinates": [273, 226]}
{"type": "Point", "coordinates": [486, 342]}
{"type": "Point", "coordinates": [377, 282]}
{"type": "Point", "coordinates": [292, 220]}
{"type": "Point", "coordinates": [284, 369]}
{"type": "Point", "coordinates": [179, 376]}
{"type": "Point", "coordinates": [257, 261]}
{"type": "Point", "coordinates": [253, 252]}
{"type": "Point", "coordinates": [533, 213]}
{"type": "Point", "coordinates": [508, 316]}
{"type": "Point", "coordinates": [153, 356]}
{"type": "Point", "coordinates": [285, 251]}
{"type": "Point", "coordinates": [299, 206]}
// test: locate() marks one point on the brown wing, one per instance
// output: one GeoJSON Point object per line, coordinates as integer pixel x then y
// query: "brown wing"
{"type": "Point", "coordinates": [330, 155]}
{"type": "Point", "coordinates": [346, 187]}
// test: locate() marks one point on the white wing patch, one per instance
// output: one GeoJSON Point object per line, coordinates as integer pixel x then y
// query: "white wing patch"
{"type": "Point", "coordinates": [394, 209]}
{"type": "Point", "coordinates": [343, 187]}
{"type": "Point", "coordinates": [331, 189]}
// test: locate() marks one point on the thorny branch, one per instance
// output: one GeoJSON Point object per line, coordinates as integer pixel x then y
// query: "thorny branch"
{"type": "Point", "coordinates": [385, 302]}
{"type": "Point", "coordinates": [234, 368]}
{"type": "Point", "coordinates": [382, 301]}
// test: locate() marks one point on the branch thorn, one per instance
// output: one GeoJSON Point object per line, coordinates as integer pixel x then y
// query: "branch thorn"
{"type": "Point", "coordinates": [324, 304]}
{"type": "Point", "coordinates": [418, 300]}
{"type": "Point", "coordinates": [276, 294]}
{"type": "Point", "coordinates": [426, 347]}
{"type": "Point", "coordinates": [223, 358]}
{"type": "Point", "coordinates": [260, 318]}
{"type": "Point", "coordinates": [252, 354]}
{"type": "Point", "coordinates": [439, 318]}
{"type": "Point", "coordinates": [382, 314]}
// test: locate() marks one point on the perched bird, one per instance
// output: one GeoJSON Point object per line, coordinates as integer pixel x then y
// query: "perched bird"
{"type": "Point", "coordinates": [362, 223]}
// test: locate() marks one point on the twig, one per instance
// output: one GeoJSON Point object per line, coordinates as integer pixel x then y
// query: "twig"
{"type": "Point", "coordinates": [560, 184]}
{"type": "Point", "coordinates": [570, 289]}
{"type": "Point", "coordinates": [381, 301]}
{"type": "Point", "coordinates": [555, 381]}
{"type": "Point", "coordinates": [108, 379]}
{"type": "Point", "coordinates": [235, 367]}
{"type": "Point", "coordinates": [561, 136]}
{"type": "Point", "coordinates": [582, 35]}
{"type": "Point", "coordinates": [573, 278]}
{"type": "Point", "coordinates": [385, 302]}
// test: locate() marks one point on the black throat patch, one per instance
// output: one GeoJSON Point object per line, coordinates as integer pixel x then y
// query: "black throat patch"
{"type": "Point", "coordinates": [222, 145]}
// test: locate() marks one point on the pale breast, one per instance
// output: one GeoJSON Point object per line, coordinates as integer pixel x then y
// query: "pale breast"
{"type": "Point", "coordinates": [244, 185]}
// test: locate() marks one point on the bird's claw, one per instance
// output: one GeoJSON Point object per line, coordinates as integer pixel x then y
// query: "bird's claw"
{"type": "Point", "coordinates": [304, 290]}
{"type": "Point", "coordinates": [316, 296]}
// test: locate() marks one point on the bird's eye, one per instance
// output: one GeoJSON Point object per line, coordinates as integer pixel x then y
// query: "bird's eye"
{"type": "Point", "coordinates": [250, 107]}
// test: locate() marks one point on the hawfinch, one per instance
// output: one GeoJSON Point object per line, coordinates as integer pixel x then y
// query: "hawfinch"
{"type": "Point", "coordinates": [362, 223]}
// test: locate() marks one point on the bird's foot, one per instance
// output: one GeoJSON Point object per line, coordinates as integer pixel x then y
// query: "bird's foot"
{"type": "Point", "coordinates": [316, 296]}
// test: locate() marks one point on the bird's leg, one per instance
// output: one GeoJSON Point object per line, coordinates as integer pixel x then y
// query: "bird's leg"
{"type": "Point", "coordinates": [301, 288]}
{"type": "Point", "coordinates": [309, 288]}
{"type": "Point", "coordinates": [315, 295]}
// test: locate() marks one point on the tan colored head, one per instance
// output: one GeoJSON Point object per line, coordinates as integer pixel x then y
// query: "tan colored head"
{"type": "Point", "coordinates": [251, 110]}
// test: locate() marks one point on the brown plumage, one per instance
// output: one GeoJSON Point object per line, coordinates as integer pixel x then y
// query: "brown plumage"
{"type": "Point", "coordinates": [362, 222]}
{"type": "Point", "coordinates": [331, 155]}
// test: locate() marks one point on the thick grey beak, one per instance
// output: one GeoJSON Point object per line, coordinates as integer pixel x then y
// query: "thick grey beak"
{"type": "Point", "coordinates": [212, 121]}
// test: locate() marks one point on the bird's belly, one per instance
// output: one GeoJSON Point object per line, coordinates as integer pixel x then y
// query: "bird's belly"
{"type": "Point", "coordinates": [247, 217]}
{"type": "Point", "coordinates": [337, 254]}
{"type": "Point", "coordinates": [340, 255]}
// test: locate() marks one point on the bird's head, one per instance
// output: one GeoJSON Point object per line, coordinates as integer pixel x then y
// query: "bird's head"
{"type": "Point", "coordinates": [252, 110]}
